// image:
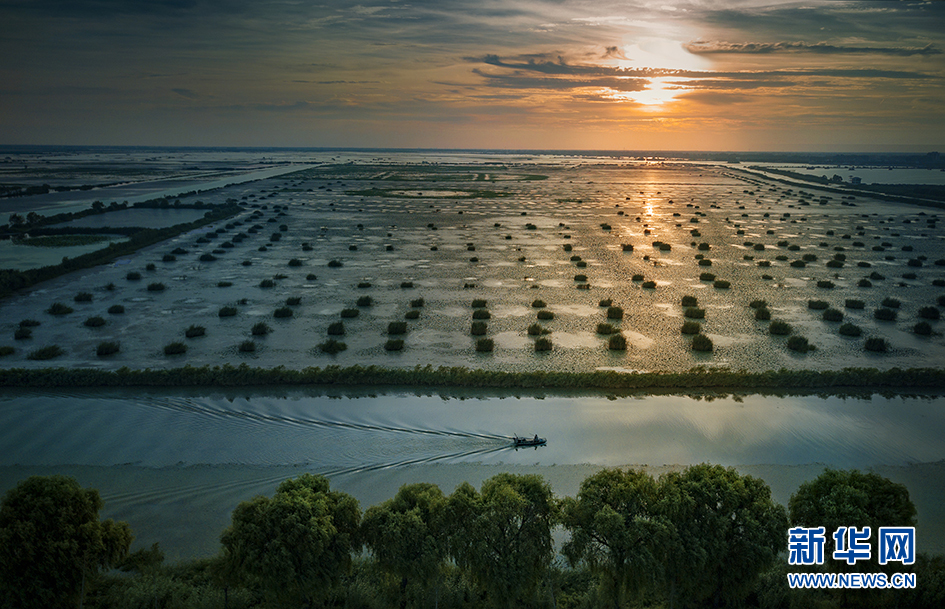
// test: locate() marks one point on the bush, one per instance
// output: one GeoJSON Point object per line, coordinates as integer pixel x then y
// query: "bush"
{"type": "Point", "coordinates": [349, 313]}
{"type": "Point", "coordinates": [823, 283]}
{"type": "Point", "coordinates": [267, 283]}
{"type": "Point", "coordinates": [206, 258]}
{"type": "Point", "coordinates": [885, 314]}
{"type": "Point", "coordinates": [649, 285]}
{"type": "Point", "coordinates": [922, 328]}
{"type": "Point", "coordinates": [538, 304]}
{"type": "Point", "coordinates": [478, 328]}
{"type": "Point", "coordinates": [6, 350]}
{"type": "Point", "coordinates": [875, 344]}
{"type": "Point", "coordinates": [416, 304]}
{"type": "Point", "coordinates": [891, 303]}
{"type": "Point", "coordinates": [195, 331]}
{"type": "Point", "coordinates": [57, 308]}
{"type": "Point", "coordinates": [580, 277]}
{"type": "Point", "coordinates": [799, 344]}
{"type": "Point", "coordinates": [156, 287]}
{"type": "Point", "coordinates": [706, 277]}
{"type": "Point", "coordinates": [535, 330]}
{"type": "Point", "coordinates": [365, 301]}
{"type": "Point", "coordinates": [780, 328]}
{"type": "Point", "coordinates": [260, 329]}
{"type": "Point", "coordinates": [705, 262]}
{"type": "Point", "coordinates": [22, 333]}
{"type": "Point", "coordinates": [929, 313]}
{"type": "Point", "coordinates": [798, 264]}
{"type": "Point", "coordinates": [107, 348]}
{"type": "Point", "coordinates": [543, 344]}
{"type": "Point", "coordinates": [701, 342]}
{"type": "Point", "coordinates": [614, 313]}
{"type": "Point", "coordinates": [606, 302]}
{"type": "Point", "coordinates": [817, 304]}
{"type": "Point", "coordinates": [481, 314]}
{"type": "Point", "coordinates": [247, 346]}
{"type": "Point", "coordinates": [864, 283]}
{"type": "Point", "coordinates": [484, 345]}
{"type": "Point", "coordinates": [876, 276]}
{"type": "Point", "coordinates": [332, 346]}
{"type": "Point", "coordinates": [282, 313]}
{"type": "Point", "coordinates": [295, 262]}
{"type": "Point", "coordinates": [175, 349]}
{"type": "Point", "coordinates": [394, 344]}
{"type": "Point", "coordinates": [293, 301]}
{"type": "Point", "coordinates": [94, 322]}
{"type": "Point", "coordinates": [762, 314]}
{"type": "Point", "coordinates": [364, 285]}
{"type": "Point", "coordinates": [637, 277]}
{"type": "Point", "coordinates": [83, 297]}
{"type": "Point", "coordinates": [227, 311]}
{"type": "Point", "coordinates": [617, 342]}
{"type": "Point", "coordinates": [852, 303]}
{"type": "Point", "coordinates": [336, 328]}
{"type": "Point", "coordinates": [722, 284]}
{"type": "Point", "coordinates": [133, 276]}
{"type": "Point", "coordinates": [689, 301]}
{"type": "Point", "coordinates": [691, 327]}
{"type": "Point", "coordinates": [545, 314]}
{"type": "Point", "coordinates": [50, 352]}
{"type": "Point", "coordinates": [406, 284]}
{"type": "Point", "coordinates": [29, 323]}
{"type": "Point", "coordinates": [694, 313]}
{"type": "Point", "coordinates": [833, 315]}
{"type": "Point", "coordinates": [397, 327]}
{"type": "Point", "coordinates": [850, 330]}
{"type": "Point", "coordinates": [335, 264]}
{"type": "Point", "coordinates": [224, 284]}
{"type": "Point", "coordinates": [412, 314]}
{"type": "Point", "coordinates": [606, 329]}
{"type": "Point", "coordinates": [169, 258]}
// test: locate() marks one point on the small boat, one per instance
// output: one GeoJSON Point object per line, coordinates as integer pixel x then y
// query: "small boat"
{"type": "Point", "coordinates": [522, 442]}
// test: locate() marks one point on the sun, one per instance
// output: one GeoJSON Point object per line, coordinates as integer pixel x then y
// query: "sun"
{"type": "Point", "coordinates": [659, 93]}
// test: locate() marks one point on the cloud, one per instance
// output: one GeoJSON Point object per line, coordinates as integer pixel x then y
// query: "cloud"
{"type": "Point", "coordinates": [185, 93]}
{"type": "Point", "coordinates": [703, 47]}
{"type": "Point", "coordinates": [520, 81]}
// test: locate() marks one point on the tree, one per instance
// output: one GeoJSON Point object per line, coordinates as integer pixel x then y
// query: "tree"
{"type": "Point", "coordinates": [502, 536]}
{"type": "Point", "coordinates": [296, 545]}
{"type": "Point", "coordinates": [16, 221]}
{"type": "Point", "coordinates": [614, 529]}
{"type": "Point", "coordinates": [724, 531]}
{"type": "Point", "coordinates": [52, 541]}
{"type": "Point", "coordinates": [406, 534]}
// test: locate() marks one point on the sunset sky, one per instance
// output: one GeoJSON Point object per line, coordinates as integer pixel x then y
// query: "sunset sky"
{"type": "Point", "coordinates": [538, 74]}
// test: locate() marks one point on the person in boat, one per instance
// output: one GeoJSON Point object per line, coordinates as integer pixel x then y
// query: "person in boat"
{"type": "Point", "coordinates": [535, 440]}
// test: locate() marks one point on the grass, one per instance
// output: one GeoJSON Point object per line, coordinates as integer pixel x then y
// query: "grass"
{"type": "Point", "coordinates": [694, 313]}
{"type": "Point", "coordinates": [690, 301]}
{"type": "Point", "coordinates": [44, 353]}
{"type": "Point", "coordinates": [394, 344]}
{"type": "Point", "coordinates": [156, 287]}
{"type": "Point", "coordinates": [876, 344]}
{"type": "Point", "coordinates": [485, 345]}
{"type": "Point", "coordinates": [107, 348]}
{"type": "Point", "coordinates": [365, 301]}
{"type": "Point", "coordinates": [94, 322]}
{"type": "Point", "coordinates": [545, 315]}
{"type": "Point", "coordinates": [832, 315]}
{"type": "Point", "coordinates": [617, 343]}
{"type": "Point", "coordinates": [397, 327]}
{"type": "Point", "coordinates": [336, 329]}
{"type": "Point", "coordinates": [481, 314]}
{"type": "Point", "coordinates": [883, 314]}
{"type": "Point", "coordinates": [799, 344]}
{"type": "Point", "coordinates": [283, 313]}
{"type": "Point", "coordinates": [83, 297]}
{"type": "Point", "coordinates": [478, 328]}
{"type": "Point", "coordinates": [779, 328]}
{"type": "Point", "coordinates": [176, 348]}
{"type": "Point", "coordinates": [543, 344]}
{"type": "Point", "coordinates": [691, 327]}
{"type": "Point", "coordinates": [606, 329]}
{"type": "Point", "coordinates": [57, 308]}
{"type": "Point", "coordinates": [849, 329]}
{"type": "Point", "coordinates": [614, 312]}
{"type": "Point", "coordinates": [349, 313]}
{"type": "Point", "coordinates": [247, 346]}
{"type": "Point", "coordinates": [260, 329]}
{"type": "Point", "coordinates": [332, 346]}
{"type": "Point", "coordinates": [227, 311]}
{"type": "Point", "coordinates": [194, 331]}
{"type": "Point", "coordinates": [701, 342]}
{"type": "Point", "coordinates": [762, 314]}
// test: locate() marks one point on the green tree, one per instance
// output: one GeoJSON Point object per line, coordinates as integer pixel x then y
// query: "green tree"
{"type": "Point", "coordinates": [296, 545]}
{"type": "Point", "coordinates": [502, 536]}
{"type": "Point", "coordinates": [614, 529]}
{"type": "Point", "coordinates": [52, 541]}
{"type": "Point", "coordinates": [406, 534]}
{"type": "Point", "coordinates": [724, 531]}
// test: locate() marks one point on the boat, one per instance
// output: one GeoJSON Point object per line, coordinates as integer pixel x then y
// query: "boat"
{"type": "Point", "coordinates": [523, 442]}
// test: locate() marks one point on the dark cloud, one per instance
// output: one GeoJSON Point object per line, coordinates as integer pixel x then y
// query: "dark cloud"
{"type": "Point", "coordinates": [702, 47]}
{"type": "Point", "coordinates": [185, 93]}
{"type": "Point", "coordinates": [518, 80]}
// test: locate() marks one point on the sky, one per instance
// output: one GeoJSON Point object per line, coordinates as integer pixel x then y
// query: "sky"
{"type": "Point", "coordinates": [498, 74]}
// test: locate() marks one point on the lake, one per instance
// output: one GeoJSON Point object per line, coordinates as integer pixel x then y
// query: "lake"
{"type": "Point", "coordinates": [174, 464]}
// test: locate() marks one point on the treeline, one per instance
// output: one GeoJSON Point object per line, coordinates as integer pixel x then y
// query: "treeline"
{"type": "Point", "coordinates": [704, 536]}
{"type": "Point", "coordinates": [796, 381]}
{"type": "Point", "coordinates": [12, 279]}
